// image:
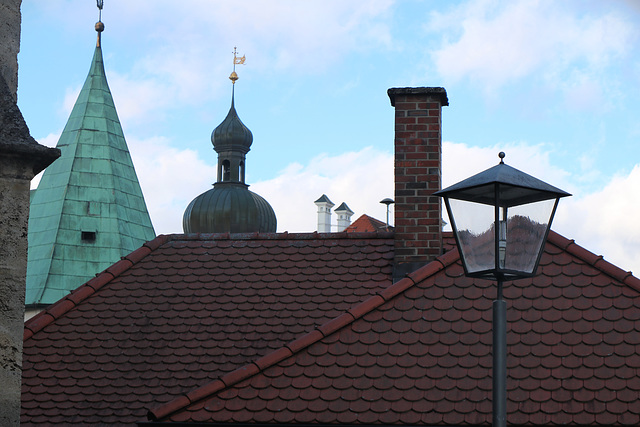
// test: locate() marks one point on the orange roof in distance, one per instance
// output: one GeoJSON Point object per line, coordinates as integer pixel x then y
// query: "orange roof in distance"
{"type": "Point", "coordinates": [366, 224]}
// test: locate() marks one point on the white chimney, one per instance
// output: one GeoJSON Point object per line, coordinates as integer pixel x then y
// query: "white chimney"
{"type": "Point", "coordinates": [324, 214]}
{"type": "Point", "coordinates": [344, 216]}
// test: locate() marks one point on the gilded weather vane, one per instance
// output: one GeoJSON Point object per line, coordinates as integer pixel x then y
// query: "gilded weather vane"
{"type": "Point", "coordinates": [236, 60]}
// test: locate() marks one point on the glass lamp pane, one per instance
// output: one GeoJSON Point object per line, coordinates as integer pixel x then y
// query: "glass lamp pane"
{"type": "Point", "coordinates": [474, 227]}
{"type": "Point", "coordinates": [526, 229]}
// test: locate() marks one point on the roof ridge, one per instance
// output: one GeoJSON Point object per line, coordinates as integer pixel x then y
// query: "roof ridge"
{"type": "Point", "coordinates": [84, 291]}
{"type": "Point", "coordinates": [284, 236]}
{"type": "Point", "coordinates": [259, 365]}
{"type": "Point", "coordinates": [375, 220]}
{"type": "Point", "coordinates": [596, 261]}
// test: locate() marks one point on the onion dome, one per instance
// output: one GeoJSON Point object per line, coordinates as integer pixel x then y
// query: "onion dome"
{"type": "Point", "coordinates": [229, 207]}
{"type": "Point", "coordinates": [232, 133]}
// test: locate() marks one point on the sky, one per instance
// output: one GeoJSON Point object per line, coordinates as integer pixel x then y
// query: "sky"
{"type": "Point", "coordinates": [555, 85]}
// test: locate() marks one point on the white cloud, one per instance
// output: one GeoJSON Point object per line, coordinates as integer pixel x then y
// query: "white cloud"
{"type": "Point", "coordinates": [305, 35]}
{"type": "Point", "coordinates": [184, 62]}
{"type": "Point", "coordinates": [601, 221]}
{"type": "Point", "coordinates": [460, 161]}
{"type": "Point", "coordinates": [170, 178]}
{"type": "Point", "coordinates": [140, 99]}
{"type": "Point", "coordinates": [359, 179]}
{"type": "Point", "coordinates": [494, 43]}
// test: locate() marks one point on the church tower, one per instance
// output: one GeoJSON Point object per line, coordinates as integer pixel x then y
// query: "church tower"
{"type": "Point", "coordinates": [229, 207]}
{"type": "Point", "coordinates": [88, 210]}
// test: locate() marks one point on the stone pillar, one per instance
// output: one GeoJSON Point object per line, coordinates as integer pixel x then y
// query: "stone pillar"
{"type": "Point", "coordinates": [21, 158]}
{"type": "Point", "coordinates": [417, 172]}
{"type": "Point", "coordinates": [10, 43]}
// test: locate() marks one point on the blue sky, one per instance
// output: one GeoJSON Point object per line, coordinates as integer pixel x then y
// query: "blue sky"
{"type": "Point", "coordinates": [554, 84]}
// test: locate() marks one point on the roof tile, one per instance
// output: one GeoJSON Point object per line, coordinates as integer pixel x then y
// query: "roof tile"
{"type": "Point", "coordinates": [170, 288]}
{"type": "Point", "coordinates": [551, 347]}
{"type": "Point", "coordinates": [423, 355]}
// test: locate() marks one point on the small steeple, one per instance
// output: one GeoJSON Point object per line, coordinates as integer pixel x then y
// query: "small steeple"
{"type": "Point", "coordinates": [88, 210]}
{"type": "Point", "coordinates": [229, 207]}
{"type": "Point", "coordinates": [232, 139]}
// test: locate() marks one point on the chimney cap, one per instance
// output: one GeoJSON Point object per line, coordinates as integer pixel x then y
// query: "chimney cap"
{"type": "Point", "coordinates": [324, 199]}
{"type": "Point", "coordinates": [344, 208]}
{"type": "Point", "coordinates": [429, 91]}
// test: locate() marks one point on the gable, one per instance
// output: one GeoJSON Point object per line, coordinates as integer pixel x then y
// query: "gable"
{"type": "Point", "coordinates": [365, 223]}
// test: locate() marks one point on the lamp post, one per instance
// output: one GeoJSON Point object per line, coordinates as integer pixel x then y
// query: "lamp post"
{"type": "Point", "coordinates": [500, 218]}
{"type": "Point", "coordinates": [387, 202]}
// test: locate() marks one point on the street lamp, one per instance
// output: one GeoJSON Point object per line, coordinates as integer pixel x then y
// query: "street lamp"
{"type": "Point", "coordinates": [501, 218]}
{"type": "Point", "coordinates": [387, 202]}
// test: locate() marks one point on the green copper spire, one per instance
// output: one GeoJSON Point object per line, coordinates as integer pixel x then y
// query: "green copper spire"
{"type": "Point", "coordinates": [88, 210]}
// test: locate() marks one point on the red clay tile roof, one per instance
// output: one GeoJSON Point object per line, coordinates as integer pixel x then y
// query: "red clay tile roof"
{"type": "Point", "coordinates": [419, 352]}
{"type": "Point", "coordinates": [184, 309]}
{"type": "Point", "coordinates": [366, 224]}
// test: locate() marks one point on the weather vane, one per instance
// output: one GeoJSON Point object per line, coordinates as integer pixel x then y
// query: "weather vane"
{"type": "Point", "coordinates": [233, 77]}
{"type": "Point", "coordinates": [100, 4]}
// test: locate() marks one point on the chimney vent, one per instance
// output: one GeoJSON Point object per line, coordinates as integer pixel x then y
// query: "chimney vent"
{"type": "Point", "coordinates": [344, 216]}
{"type": "Point", "coordinates": [324, 214]}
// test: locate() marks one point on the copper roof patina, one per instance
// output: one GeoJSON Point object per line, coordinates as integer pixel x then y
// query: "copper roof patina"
{"type": "Point", "coordinates": [88, 210]}
{"type": "Point", "coordinates": [229, 207]}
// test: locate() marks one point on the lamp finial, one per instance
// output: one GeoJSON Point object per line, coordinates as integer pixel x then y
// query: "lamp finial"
{"type": "Point", "coordinates": [99, 24]}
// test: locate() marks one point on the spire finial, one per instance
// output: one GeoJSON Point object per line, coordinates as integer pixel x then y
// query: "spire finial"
{"type": "Point", "coordinates": [233, 77]}
{"type": "Point", "coordinates": [502, 156]}
{"type": "Point", "coordinates": [99, 24]}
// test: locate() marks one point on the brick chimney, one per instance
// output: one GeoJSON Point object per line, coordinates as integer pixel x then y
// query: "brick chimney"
{"type": "Point", "coordinates": [418, 164]}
